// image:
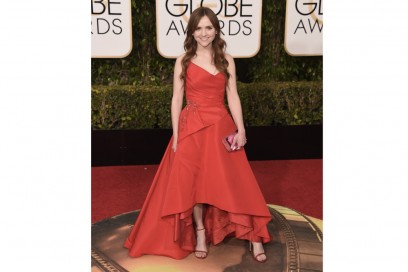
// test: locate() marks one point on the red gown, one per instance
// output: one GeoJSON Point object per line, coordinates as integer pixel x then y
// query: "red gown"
{"type": "Point", "coordinates": [200, 171]}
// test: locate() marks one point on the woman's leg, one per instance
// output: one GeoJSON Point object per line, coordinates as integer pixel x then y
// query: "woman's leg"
{"type": "Point", "coordinates": [198, 218]}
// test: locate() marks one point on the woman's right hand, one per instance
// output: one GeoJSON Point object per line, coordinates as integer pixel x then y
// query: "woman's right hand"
{"type": "Point", "coordinates": [174, 147]}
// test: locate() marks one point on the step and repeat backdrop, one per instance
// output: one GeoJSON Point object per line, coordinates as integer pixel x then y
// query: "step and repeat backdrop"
{"type": "Point", "coordinates": [241, 22]}
{"type": "Point", "coordinates": [304, 28]}
{"type": "Point", "coordinates": [111, 32]}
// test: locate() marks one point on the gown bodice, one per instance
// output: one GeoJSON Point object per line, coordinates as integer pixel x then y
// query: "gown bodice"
{"type": "Point", "coordinates": [203, 87]}
{"type": "Point", "coordinates": [205, 94]}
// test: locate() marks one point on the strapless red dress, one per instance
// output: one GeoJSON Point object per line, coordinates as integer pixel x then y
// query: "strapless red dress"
{"type": "Point", "coordinates": [200, 171]}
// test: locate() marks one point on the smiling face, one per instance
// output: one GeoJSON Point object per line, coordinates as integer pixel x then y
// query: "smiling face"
{"type": "Point", "coordinates": [204, 33]}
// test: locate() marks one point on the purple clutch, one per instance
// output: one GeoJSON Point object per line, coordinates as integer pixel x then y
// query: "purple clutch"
{"type": "Point", "coordinates": [227, 141]}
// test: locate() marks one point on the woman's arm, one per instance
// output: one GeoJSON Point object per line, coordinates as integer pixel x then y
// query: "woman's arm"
{"type": "Point", "coordinates": [177, 100]}
{"type": "Point", "coordinates": [234, 103]}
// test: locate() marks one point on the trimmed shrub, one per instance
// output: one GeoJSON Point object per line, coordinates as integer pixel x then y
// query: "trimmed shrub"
{"type": "Point", "coordinates": [263, 104]}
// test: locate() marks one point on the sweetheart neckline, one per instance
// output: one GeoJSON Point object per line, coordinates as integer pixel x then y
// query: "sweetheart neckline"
{"type": "Point", "coordinates": [205, 69]}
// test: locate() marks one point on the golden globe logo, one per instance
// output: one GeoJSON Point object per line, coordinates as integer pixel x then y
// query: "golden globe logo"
{"type": "Point", "coordinates": [240, 22]}
{"type": "Point", "coordinates": [304, 27]}
{"type": "Point", "coordinates": [111, 28]}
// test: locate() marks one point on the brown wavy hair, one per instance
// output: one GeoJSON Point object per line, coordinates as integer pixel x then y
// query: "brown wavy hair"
{"type": "Point", "coordinates": [218, 44]}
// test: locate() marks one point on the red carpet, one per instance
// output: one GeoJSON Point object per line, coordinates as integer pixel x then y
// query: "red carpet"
{"type": "Point", "coordinates": [296, 184]}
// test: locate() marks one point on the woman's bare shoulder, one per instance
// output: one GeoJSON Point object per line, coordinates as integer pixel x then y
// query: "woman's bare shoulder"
{"type": "Point", "coordinates": [228, 57]}
{"type": "Point", "coordinates": [178, 65]}
{"type": "Point", "coordinates": [180, 58]}
{"type": "Point", "coordinates": [231, 63]}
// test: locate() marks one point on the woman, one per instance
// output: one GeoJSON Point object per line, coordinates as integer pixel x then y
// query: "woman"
{"type": "Point", "coordinates": [202, 192]}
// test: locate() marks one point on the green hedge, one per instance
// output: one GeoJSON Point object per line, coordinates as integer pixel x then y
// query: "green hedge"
{"type": "Point", "coordinates": [263, 104]}
{"type": "Point", "coordinates": [145, 66]}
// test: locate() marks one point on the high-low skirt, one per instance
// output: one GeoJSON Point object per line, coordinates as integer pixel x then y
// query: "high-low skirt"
{"type": "Point", "coordinates": [200, 171]}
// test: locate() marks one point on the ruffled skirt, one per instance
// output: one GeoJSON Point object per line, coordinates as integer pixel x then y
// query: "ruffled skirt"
{"type": "Point", "coordinates": [200, 171]}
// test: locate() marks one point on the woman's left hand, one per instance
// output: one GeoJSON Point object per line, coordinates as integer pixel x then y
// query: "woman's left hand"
{"type": "Point", "coordinates": [239, 140]}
